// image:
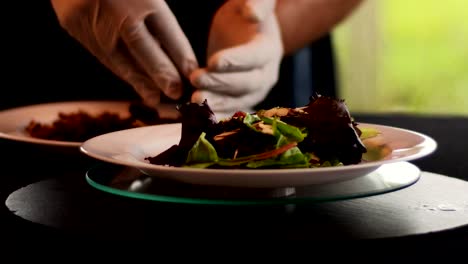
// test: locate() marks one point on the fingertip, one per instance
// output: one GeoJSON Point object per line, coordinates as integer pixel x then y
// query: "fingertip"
{"type": "Point", "coordinates": [173, 89]}
{"type": "Point", "coordinates": [215, 101]}
{"type": "Point", "coordinates": [196, 77]}
{"type": "Point", "coordinates": [169, 83]}
{"type": "Point", "coordinates": [189, 67]}
{"type": "Point", "coordinates": [217, 62]}
{"type": "Point", "coordinates": [197, 97]}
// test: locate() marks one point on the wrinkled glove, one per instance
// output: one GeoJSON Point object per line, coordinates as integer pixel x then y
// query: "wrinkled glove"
{"type": "Point", "coordinates": [244, 54]}
{"type": "Point", "coordinates": [140, 41]}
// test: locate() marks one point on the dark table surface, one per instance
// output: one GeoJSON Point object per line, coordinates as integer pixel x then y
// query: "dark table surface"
{"type": "Point", "coordinates": [46, 195]}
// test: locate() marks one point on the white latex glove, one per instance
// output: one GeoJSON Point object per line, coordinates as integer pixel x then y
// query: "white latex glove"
{"type": "Point", "coordinates": [140, 41]}
{"type": "Point", "coordinates": [244, 54]}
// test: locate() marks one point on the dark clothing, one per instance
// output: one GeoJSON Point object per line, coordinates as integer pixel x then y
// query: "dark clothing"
{"type": "Point", "coordinates": [44, 64]}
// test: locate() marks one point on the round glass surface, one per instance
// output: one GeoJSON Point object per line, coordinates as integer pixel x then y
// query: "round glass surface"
{"type": "Point", "coordinates": [131, 182]}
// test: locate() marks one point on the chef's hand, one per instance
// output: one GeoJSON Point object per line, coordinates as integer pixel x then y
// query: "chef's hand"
{"type": "Point", "coordinates": [244, 54]}
{"type": "Point", "coordinates": [140, 41]}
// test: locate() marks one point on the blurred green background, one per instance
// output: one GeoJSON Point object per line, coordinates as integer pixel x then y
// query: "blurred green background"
{"type": "Point", "coordinates": [405, 56]}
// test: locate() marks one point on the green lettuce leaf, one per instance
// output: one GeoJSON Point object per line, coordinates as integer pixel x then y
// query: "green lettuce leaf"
{"type": "Point", "coordinates": [292, 158]}
{"type": "Point", "coordinates": [292, 133]}
{"type": "Point", "coordinates": [250, 119]}
{"type": "Point", "coordinates": [202, 152]}
{"type": "Point", "coordinates": [368, 132]}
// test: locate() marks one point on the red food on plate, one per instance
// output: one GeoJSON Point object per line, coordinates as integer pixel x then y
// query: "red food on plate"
{"type": "Point", "coordinates": [80, 125]}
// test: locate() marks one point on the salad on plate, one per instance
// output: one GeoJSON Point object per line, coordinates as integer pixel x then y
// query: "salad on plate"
{"type": "Point", "coordinates": [320, 134]}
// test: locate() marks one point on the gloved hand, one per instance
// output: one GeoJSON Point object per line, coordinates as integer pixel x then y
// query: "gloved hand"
{"type": "Point", "coordinates": [244, 54]}
{"type": "Point", "coordinates": [140, 41]}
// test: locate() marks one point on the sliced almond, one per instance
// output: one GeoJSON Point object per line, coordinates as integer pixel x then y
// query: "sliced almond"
{"type": "Point", "coordinates": [225, 134]}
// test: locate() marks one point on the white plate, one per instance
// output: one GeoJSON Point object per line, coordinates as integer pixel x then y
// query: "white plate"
{"type": "Point", "coordinates": [13, 121]}
{"type": "Point", "coordinates": [130, 148]}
